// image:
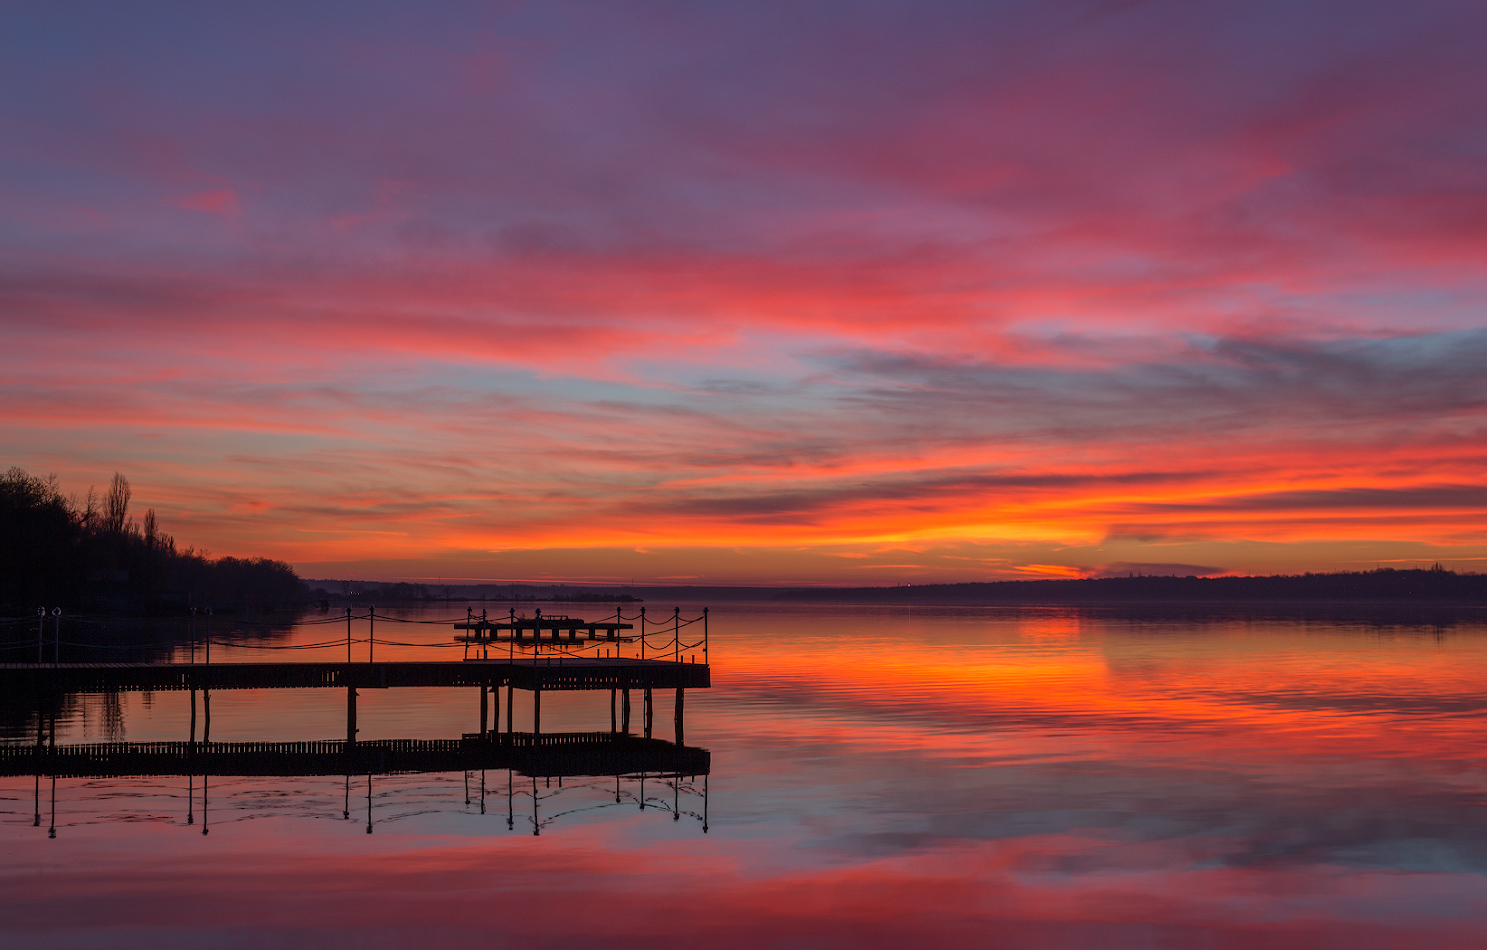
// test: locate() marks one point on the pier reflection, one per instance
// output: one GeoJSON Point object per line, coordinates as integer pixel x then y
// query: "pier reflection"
{"type": "Point", "coordinates": [615, 771]}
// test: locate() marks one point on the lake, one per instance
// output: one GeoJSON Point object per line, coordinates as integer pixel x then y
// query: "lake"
{"type": "Point", "coordinates": [880, 777]}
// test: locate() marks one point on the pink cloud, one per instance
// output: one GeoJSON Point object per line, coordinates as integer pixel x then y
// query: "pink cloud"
{"type": "Point", "coordinates": [222, 202]}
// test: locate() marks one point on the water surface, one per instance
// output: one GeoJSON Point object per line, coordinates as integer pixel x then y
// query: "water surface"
{"type": "Point", "coordinates": [881, 777]}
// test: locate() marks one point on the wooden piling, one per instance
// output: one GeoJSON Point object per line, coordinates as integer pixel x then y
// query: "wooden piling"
{"type": "Point", "coordinates": [350, 717]}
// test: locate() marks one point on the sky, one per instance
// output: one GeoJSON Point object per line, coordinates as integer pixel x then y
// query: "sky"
{"type": "Point", "coordinates": [830, 293]}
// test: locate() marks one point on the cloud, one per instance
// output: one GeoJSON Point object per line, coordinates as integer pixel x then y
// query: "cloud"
{"type": "Point", "coordinates": [222, 202]}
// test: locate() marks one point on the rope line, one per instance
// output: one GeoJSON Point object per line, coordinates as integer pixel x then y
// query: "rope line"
{"type": "Point", "coordinates": [661, 639]}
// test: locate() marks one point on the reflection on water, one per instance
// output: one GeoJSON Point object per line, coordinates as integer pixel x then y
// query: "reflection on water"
{"type": "Point", "coordinates": [879, 777]}
{"type": "Point", "coordinates": [522, 803]}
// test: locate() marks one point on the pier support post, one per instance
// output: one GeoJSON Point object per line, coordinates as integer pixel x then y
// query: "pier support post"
{"type": "Point", "coordinates": [681, 696]}
{"type": "Point", "coordinates": [536, 711]}
{"type": "Point", "coordinates": [40, 744]}
{"type": "Point", "coordinates": [484, 704]}
{"type": "Point", "coordinates": [52, 741]}
{"type": "Point", "coordinates": [611, 711]}
{"type": "Point", "coordinates": [206, 729]}
{"type": "Point", "coordinates": [649, 712]}
{"type": "Point", "coordinates": [510, 705]}
{"type": "Point", "coordinates": [350, 717]}
{"type": "Point", "coordinates": [625, 711]}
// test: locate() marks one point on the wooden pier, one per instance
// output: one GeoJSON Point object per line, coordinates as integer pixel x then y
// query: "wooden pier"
{"type": "Point", "coordinates": [563, 669]}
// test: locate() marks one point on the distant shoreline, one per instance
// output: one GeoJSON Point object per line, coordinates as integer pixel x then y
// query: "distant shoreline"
{"type": "Point", "coordinates": [1385, 586]}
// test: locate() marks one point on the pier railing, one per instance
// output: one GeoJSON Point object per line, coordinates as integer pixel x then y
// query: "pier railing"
{"type": "Point", "coordinates": [644, 637]}
{"type": "Point", "coordinates": [519, 637]}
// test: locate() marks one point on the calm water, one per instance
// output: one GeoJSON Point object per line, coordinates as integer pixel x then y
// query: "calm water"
{"type": "Point", "coordinates": [880, 778]}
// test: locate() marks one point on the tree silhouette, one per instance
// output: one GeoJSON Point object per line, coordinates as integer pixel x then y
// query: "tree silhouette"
{"type": "Point", "coordinates": [116, 504]}
{"type": "Point", "coordinates": [54, 552]}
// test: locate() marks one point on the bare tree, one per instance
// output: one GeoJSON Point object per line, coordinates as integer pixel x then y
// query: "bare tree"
{"type": "Point", "coordinates": [116, 504]}
{"type": "Point", "coordinates": [90, 511]}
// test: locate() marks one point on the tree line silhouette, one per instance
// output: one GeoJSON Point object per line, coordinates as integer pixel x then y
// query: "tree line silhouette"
{"type": "Point", "coordinates": [1384, 585]}
{"type": "Point", "coordinates": [56, 551]}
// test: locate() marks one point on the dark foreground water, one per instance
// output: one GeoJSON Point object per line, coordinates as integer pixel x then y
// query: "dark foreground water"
{"type": "Point", "coordinates": [1041, 778]}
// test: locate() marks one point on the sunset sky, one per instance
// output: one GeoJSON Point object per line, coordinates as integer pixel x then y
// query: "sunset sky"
{"type": "Point", "coordinates": [857, 293]}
